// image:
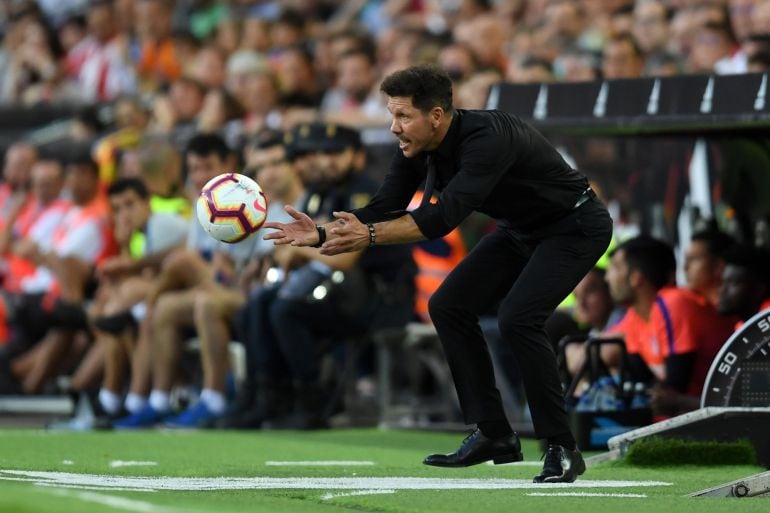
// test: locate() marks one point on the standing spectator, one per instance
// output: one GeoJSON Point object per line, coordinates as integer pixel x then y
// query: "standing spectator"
{"type": "Point", "coordinates": [100, 63]}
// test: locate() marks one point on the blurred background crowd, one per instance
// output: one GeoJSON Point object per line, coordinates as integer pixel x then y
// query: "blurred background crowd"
{"type": "Point", "coordinates": [106, 277]}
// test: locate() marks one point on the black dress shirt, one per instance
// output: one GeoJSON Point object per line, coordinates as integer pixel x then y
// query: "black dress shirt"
{"type": "Point", "coordinates": [490, 162]}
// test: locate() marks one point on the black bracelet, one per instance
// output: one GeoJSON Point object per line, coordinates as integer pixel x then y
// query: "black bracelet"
{"type": "Point", "coordinates": [321, 236]}
{"type": "Point", "coordinates": [371, 234]}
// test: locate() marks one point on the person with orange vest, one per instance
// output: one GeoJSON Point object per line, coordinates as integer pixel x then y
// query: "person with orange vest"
{"type": "Point", "coordinates": [435, 259]}
{"type": "Point", "coordinates": [64, 266]}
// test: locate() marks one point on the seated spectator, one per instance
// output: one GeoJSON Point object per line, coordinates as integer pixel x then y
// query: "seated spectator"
{"type": "Point", "coordinates": [64, 266]}
{"type": "Point", "coordinates": [124, 281]}
{"type": "Point", "coordinates": [294, 317]}
{"type": "Point", "coordinates": [622, 58]}
{"type": "Point", "coordinates": [671, 334]}
{"type": "Point", "coordinates": [745, 284]}
{"type": "Point", "coordinates": [194, 289]}
{"type": "Point", "coordinates": [704, 262]}
{"type": "Point", "coordinates": [595, 311]}
{"type": "Point", "coordinates": [14, 189]}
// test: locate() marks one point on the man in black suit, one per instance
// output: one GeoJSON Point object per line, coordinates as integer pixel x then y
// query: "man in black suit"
{"type": "Point", "coordinates": [550, 232]}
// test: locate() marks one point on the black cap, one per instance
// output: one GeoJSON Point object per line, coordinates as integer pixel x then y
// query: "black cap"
{"type": "Point", "coordinates": [326, 137]}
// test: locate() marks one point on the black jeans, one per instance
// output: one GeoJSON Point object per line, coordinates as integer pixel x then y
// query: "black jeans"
{"type": "Point", "coordinates": [532, 274]}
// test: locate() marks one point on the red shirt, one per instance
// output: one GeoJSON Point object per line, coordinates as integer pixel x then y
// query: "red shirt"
{"type": "Point", "coordinates": [680, 322]}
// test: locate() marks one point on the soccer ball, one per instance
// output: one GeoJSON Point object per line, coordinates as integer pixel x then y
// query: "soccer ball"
{"type": "Point", "coordinates": [231, 207]}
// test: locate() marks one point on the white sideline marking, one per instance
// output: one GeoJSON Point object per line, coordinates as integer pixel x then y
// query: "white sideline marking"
{"type": "Point", "coordinates": [114, 501]}
{"type": "Point", "coordinates": [519, 463]}
{"type": "Point", "coordinates": [320, 463]}
{"type": "Point", "coordinates": [108, 482]}
{"type": "Point", "coordinates": [327, 496]}
{"type": "Point", "coordinates": [587, 494]}
{"type": "Point", "coordinates": [121, 463]}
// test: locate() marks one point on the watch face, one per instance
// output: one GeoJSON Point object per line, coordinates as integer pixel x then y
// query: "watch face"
{"type": "Point", "coordinates": [740, 374]}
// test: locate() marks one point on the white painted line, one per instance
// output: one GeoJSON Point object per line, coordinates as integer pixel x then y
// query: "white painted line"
{"type": "Point", "coordinates": [301, 483]}
{"type": "Point", "coordinates": [116, 502]}
{"type": "Point", "coordinates": [320, 463]}
{"type": "Point", "coordinates": [121, 463]}
{"type": "Point", "coordinates": [519, 463]}
{"type": "Point", "coordinates": [328, 496]}
{"type": "Point", "coordinates": [83, 487]}
{"type": "Point", "coordinates": [587, 494]}
{"type": "Point", "coordinates": [67, 462]}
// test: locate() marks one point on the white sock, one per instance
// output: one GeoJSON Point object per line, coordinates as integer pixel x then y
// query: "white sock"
{"type": "Point", "coordinates": [134, 402]}
{"type": "Point", "coordinates": [110, 401]}
{"type": "Point", "coordinates": [159, 400]}
{"type": "Point", "coordinates": [139, 311]}
{"type": "Point", "coordinates": [214, 401]}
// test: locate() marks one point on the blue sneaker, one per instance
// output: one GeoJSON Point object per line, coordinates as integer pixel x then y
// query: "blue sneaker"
{"type": "Point", "coordinates": [144, 418]}
{"type": "Point", "coordinates": [196, 416]}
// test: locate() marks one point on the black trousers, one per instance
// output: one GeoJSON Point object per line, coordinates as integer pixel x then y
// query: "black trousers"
{"type": "Point", "coordinates": [531, 274]}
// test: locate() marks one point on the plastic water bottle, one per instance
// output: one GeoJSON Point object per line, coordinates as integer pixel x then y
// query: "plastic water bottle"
{"type": "Point", "coordinates": [606, 397]}
{"type": "Point", "coordinates": [641, 400]}
{"type": "Point", "coordinates": [587, 401]}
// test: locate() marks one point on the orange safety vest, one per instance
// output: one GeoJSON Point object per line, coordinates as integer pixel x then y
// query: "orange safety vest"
{"type": "Point", "coordinates": [97, 210]}
{"type": "Point", "coordinates": [432, 268]}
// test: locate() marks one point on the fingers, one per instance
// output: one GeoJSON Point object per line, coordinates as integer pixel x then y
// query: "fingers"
{"type": "Point", "coordinates": [274, 235]}
{"type": "Point", "coordinates": [345, 216]}
{"type": "Point", "coordinates": [293, 212]}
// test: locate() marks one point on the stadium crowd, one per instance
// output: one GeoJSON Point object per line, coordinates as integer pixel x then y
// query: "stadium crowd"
{"type": "Point", "coordinates": [106, 273]}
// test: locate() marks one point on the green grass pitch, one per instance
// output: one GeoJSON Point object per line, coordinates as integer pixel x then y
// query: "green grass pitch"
{"type": "Point", "coordinates": [364, 471]}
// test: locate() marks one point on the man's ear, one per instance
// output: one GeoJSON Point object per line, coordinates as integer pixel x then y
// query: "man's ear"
{"type": "Point", "coordinates": [436, 116]}
{"type": "Point", "coordinates": [635, 278]}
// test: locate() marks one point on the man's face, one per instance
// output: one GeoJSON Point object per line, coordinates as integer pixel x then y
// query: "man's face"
{"type": "Point", "coordinates": [618, 279]}
{"type": "Point", "coordinates": [47, 180]}
{"type": "Point", "coordinates": [736, 293]}
{"type": "Point", "coordinates": [82, 182]}
{"type": "Point", "coordinates": [355, 76]}
{"type": "Point", "coordinates": [620, 61]}
{"type": "Point", "coordinates": [201, 169]}
{"type": "Point", "coordinates": [703, 271]}
{"type": "Point", "coordinates": [18, 161]}
{"type": "Point", "coordinates": [271, 170]}
{"type": "Point", "coordinates": [130, 210]}
{"type": "Point", "coordinates": [593, 303]}
{"type": "Point", "coordinates": [413, 127]}
{"type": "Point", "coordinates": [325, 167]}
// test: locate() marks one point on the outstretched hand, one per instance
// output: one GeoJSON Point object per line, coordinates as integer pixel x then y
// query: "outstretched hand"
{"type": "Point", "coordinates": [300, 232]}
{"type": "Point", "coordinates": [348, 234]}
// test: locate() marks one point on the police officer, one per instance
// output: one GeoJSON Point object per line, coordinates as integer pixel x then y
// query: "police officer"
{"type": "Point", "coordinates": [550, 232]}
{"type": "Point", "coordinates": [327, 297]}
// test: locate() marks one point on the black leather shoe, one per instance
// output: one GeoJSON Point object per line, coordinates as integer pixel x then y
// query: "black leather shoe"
{"type": "Point", "coordinates": [561, 465]}
{"type": "Point", "coordinates": [477, 448]}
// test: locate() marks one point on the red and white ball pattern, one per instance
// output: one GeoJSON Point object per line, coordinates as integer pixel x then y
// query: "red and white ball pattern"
{"type": "Point", "coordinates": [231, 207]}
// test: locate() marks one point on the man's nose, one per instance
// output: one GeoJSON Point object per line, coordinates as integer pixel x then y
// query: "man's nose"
{"type": "Point", "coordinates": [395, 127]}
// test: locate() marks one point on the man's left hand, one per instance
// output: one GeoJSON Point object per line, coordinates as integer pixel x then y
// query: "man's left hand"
{"type": "Point", "coordinates": [348, 235]}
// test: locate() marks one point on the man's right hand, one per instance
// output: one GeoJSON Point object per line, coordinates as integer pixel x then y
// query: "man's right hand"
{"type": "Point", "coordinates": [300, 232]}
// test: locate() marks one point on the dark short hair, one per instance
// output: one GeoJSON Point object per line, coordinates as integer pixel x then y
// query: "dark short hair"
{"type": "Point", "coordinates": [266, 138]}
{"type": "Point", "coordinates": [652, 257]}
{"type": "Point", "coordinates": [718, 243]}
{"type": "Point", "coordinates": [122, 185]}
{"type": "Point", "coordinates": [204, 145]}
{"type": "Point", "coordinates": [79, 153]}
{"type": "Point", "coordinates": [754, 260]}
{"type": "Point", "coordinates": [426, 84]}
